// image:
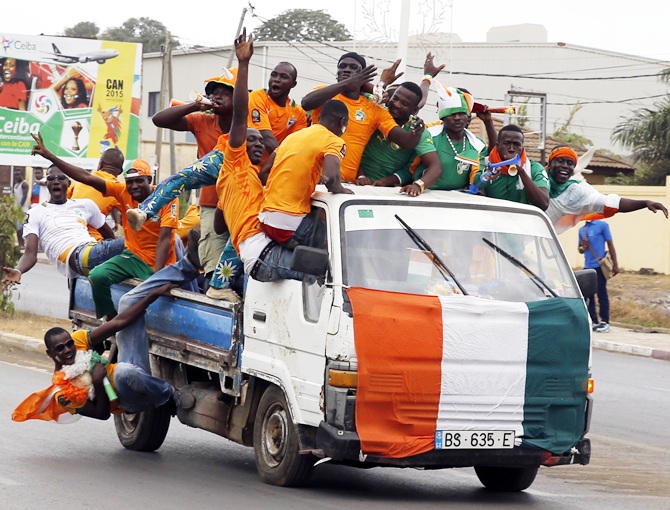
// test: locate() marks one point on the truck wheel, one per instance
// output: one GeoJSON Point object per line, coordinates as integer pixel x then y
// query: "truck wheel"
{"type": "Point", "coordinates": [502, 479]}
{"type": "Point", "coordinates": [276, 444]}
{"type": "Point", "coordinates": [145, 431]}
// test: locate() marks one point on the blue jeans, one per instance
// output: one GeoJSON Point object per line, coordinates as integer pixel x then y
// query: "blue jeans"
{"type": "Point", "coordinates": [203, 172]}
{"type": "Point", "coordinates": [99, 253]}
{"type": "Point", "coordinates": [136, 387]}
{"type": "Point", "coordinates": [276, 265]}
{"type": "Point", "coordinates": [603, 300]}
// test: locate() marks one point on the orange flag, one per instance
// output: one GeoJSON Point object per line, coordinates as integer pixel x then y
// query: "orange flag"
{"type": "Point", "coordinates": [42, 405]}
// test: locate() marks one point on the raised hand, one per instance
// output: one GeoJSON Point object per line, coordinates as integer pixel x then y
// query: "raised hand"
{"type": "Point", "coordinates": [39, 149]}
{"type": "Point", "coordinates": [244, 46]}
{"type": "Point", "coordinates": [388, 75]}
{"type": "Point", "coordinates": [430, 68]}
{"type": "Point", "coordinates": [364, 76]}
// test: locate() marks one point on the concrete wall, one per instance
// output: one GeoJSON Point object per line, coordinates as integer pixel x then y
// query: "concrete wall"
{"type": "Point", "coordinates": [641, 238]}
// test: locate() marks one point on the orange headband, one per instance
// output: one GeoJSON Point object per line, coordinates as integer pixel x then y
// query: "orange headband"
{"type": "Point", "coordinates": [563, 152]}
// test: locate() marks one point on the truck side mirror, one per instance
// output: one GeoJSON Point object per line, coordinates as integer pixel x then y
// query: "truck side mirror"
{"type": "Point", "coordinates": [308, 260]}
{"type": "Point", "coordinates": [587, 281]}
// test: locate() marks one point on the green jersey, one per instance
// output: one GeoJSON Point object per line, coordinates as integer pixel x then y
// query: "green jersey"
{"type": "Point", "coordinates": [455, 173]}
{"type": "Point", "coordinates": [382, 157]}
{"type": "Point", "coordinates": [508, 187]}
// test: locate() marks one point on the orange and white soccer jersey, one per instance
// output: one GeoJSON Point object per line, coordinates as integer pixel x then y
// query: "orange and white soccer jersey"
{"type": "Point", "coordinates": [265, 114]}
{"type": "Point", "coordinates": [298, 167]}
{"type": "Point", "coordinates": [365, 117]}
{"type": "Point", "coordinates": [105, 204]}
{"type": "Point", "coordinates": [143, 243]}
{"type": "Point", "coordinates": [240, 194]}
{"type": "Point", "coordinates": [207, 131]}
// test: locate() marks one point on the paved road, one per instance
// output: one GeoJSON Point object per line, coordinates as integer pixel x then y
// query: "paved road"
{"type": "Point", "coordinates": [83, 466]}
{"type": "Point", "coordinates": [43, 290]}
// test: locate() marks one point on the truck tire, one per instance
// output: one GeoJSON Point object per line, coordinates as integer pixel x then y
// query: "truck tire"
{"type": "Point", "coordinates": [145, 431]}
{"type": "Point", "coordinates": [503, 479]}
{"type": "Point", "coordinates": [276, 445]}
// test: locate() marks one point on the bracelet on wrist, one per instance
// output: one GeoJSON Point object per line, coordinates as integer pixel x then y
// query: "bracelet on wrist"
{"type": "Point", "coordinates": [18, 271]}
{"type": "Point", "coordinates": [420, 184]}
{"type": "Point", "coordinates": [428, 78]}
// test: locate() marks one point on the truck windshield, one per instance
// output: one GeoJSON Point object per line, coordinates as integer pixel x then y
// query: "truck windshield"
{"type": "Point", "coordinates": [502, 255]}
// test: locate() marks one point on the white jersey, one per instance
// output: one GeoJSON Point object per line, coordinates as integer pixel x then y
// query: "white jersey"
{"type": "Point", "coordinates": [578, 200]}
{"type": "Point", "coordinates": [61, 228]}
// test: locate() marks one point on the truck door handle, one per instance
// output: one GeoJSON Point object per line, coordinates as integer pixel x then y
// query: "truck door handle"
{"type": "Point", "coordinates": [259, 316]}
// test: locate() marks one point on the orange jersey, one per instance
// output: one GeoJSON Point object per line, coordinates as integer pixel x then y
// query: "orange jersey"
{"type": "Point", "coordinates": [190, 221]}
{"type": "Point", "coordinates": [143, 243]}
{"type": "Point", "coordinates": [104, 203]}
{"type": "Point", "coordinates": [265, 114]}
{"type": "Point", "coordinates": [205, 127]}
{"type": "Point", "coordinates": [364, 118]}
{"type": "Point", "coordinates": [240, 195]}
{"type": "Point", "coordinates": [298, 167]}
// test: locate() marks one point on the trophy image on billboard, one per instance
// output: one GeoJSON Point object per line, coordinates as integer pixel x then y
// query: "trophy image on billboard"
{"type": "Point", "coordinates": [76, 129]}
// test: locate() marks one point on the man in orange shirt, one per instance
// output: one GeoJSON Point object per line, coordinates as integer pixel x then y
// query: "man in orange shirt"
{"type": "Point", "coordinates": [240, 189]}
{"type": "Point", "coordinates": [110, 167]}
{"type": "Point", "coordinates": [299, 165]}
{"type": "Point", "coordinates": [148, 250]}
{"type": "Point", "coordinates": [211, 134]}
{"type": "Point", "coordinates": [273, 112]}
{"type": "Point", "coordinates": [365, 116]}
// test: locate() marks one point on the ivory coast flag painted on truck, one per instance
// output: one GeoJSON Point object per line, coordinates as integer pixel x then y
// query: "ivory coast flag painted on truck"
{"type": "Point", "coordinates": [460, 363]}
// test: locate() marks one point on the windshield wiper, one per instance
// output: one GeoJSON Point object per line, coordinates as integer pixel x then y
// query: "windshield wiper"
{"type": "Point", "coordinates": [435, 259]}
{"type": "Point", "coordinates": [541, 284]}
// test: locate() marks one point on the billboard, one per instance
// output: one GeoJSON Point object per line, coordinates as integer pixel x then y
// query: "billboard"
{"type": "Point", "coordinates": [83, 95]}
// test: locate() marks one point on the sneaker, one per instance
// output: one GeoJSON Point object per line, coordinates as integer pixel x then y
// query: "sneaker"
{"type": "Point", "coordinates": [223, 294]}
{"type": "Point", "coordinates": [136, 218]}
{"type": "Point", "coordinates": [192, 248]}
{"type": "Point", "coordinates": [603, 327]}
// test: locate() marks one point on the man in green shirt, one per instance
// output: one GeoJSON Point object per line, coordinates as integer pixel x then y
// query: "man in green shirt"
{"type": "Point", "coordinates": [382, 159]}
{"type": "Point", "coordinates": [527, 183]}
{"type": "Point", "coordinates": [458, 149]}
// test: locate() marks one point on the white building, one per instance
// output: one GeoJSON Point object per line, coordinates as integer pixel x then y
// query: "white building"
{"type": "Point", "coordinates": [609, 86]}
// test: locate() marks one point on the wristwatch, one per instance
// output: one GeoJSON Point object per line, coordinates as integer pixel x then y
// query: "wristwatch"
{"type": "Point", "coordinates": [420, 184]}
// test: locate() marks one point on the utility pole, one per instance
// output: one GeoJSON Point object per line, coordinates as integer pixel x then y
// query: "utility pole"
{"type": "Point", "coordinates": [509, 99]}
{"type": "Point", "coordinates": [239, 31]}
{"type": "Point", "coordinates": [403, 34]}
{"type": "Point", "coordinates": [163, 96]}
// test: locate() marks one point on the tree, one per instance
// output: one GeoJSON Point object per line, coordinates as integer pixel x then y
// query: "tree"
{"type": "Point", "coordinates": [563, 134]}
{"type": "Point", "coordinates": [647, 134]}
{"type": "Point", "coordinates": [302, 25]}
{"type": "Point", "coordinates": [10, 212]}
{"type": "Point", "coordinates": [150, 33]}
{"type": "Point", "coordinates": [83, 30]}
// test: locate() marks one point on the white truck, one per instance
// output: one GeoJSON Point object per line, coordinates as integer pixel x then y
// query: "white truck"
{"type": "Point", "coordinates": [446, 330]}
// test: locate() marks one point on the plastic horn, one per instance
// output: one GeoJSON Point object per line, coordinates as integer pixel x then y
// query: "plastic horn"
{"type": "Point", "coordinates": [492, 169]}
{"type": "Point", "coordinates": [514, 163]}
{"type": "Point", "coordinates": [199, 98]}
{"type": "Point", "coordinates": [111, 394]}
{"type": "Point", "coordinates": [176, 102]}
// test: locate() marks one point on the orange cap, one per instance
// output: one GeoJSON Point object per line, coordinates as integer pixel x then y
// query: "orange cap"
{"type": "Point", "coordinates": [228, 78]}
{"type": "Point", "coordinates": [138, 168]}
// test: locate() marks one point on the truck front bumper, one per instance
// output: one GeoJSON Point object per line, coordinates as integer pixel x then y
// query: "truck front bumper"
{"type": "Point", "coordinates": [345, 446]}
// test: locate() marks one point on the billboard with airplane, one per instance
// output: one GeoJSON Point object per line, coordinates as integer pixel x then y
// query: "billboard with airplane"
{"type": "Point", "coordinates": [83, 95]}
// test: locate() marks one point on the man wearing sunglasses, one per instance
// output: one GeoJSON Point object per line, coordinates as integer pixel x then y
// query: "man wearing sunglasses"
{"type": "Point", "coordinates": [147, 250]}
{"type": "Point", "coordinates": [60, 225]}
{"type": "Point", "coordinates": [130, 378]}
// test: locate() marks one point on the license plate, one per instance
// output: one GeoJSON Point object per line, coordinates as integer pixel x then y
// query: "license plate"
{"type": "Point", "coordinates": [473, 439]}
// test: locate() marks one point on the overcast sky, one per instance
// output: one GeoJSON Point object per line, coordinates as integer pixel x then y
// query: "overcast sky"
{"type": "Point", "coordinates": [637, 28]}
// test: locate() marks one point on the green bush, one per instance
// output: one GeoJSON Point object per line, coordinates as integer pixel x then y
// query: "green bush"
{"type": "Point", "coordinates": [10, 213]}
